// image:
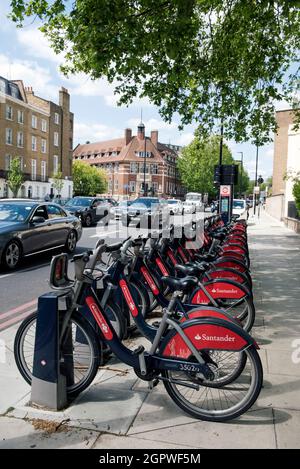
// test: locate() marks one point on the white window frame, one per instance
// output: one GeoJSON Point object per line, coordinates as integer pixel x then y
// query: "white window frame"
{"type": "Point", "coordinates": [132, 186]}
{"type": "Point", "coordinates": [20, 139]}
{"type": "Point", "coordinates": [55, 163]}
{"type": "Point", "coordinates": [33, 169]}
{"type": "Point", "coordinates": [56, 118]}
{"type": "Point", "coordinates": [33, 143]}
{"type": "Point", "coordinates": [8, 132]}
{"type": "Point", "coordinates": [9, 112]}
{"type": "Point", "coordinates": [20, 117]}
{"type": "Point", "coordinates": [44, 125]}
{"type": "Point", "coordinates": [34, 121]}
{"type": "Point", "coordinates": [43, 170]}
{"type": "Point", "coordinates": [7, 163]}
{"type": "Point", "coordinates": [44, 145]}
{"type": "Point", "coordinates": [55, 139]}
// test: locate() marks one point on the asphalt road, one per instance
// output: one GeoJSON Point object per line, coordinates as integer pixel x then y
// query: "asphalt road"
{"type": "Point", "coordinates": [20, 289]}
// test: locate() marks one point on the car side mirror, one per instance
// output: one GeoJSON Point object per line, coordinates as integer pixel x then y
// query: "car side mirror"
{"type": "Point", "coordinates": [37, 220]}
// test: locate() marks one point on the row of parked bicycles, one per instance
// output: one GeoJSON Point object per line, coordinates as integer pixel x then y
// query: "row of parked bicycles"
{"type": "Point", "coordinates": [190, 296]}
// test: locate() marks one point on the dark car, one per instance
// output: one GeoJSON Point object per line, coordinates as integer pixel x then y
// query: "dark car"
{"type": "Point", "coordinates": [29, 227]}
{"type": "Point", "coordinates": [89, 209]}
{"type": "Point", "coordinates": [144, 211]}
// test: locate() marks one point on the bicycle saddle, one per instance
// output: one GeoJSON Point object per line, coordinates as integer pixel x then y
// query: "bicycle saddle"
{"type": "Point", "coordinates": [191, 269]}
{"type": "Point", "coordinates": [182, 284]}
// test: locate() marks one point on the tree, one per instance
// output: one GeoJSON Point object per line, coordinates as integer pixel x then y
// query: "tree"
{"type": "Point", "coordinates": [245, 181]}
{"type": "Point", "coordinates": [197, 161]}
{"type": "Point", "coordinates": [15, 176]}
{"type": "Point", "coordinates": [58, 182]}
{"type": "Point", "coordinates": [88, 180]}
{"type": "Point", "coordinates": [208, 60]}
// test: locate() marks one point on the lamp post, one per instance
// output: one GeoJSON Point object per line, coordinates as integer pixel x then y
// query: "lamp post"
{"type": "Point", "coordinates": [145, 191]}
{"type": "Point", "coordinates": [241, 171]}
{"type": "Point", "coordinates": [220, 161]}
{"type": "Point", "coordinates": [255, 184]}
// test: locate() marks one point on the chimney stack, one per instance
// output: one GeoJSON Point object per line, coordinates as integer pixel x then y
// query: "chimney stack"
{"type": "Point", "coordinates": [154, 137]}
{"type": "Point", "coordinates": [64, 99]}
{"type": "Point", "coordinates": [128, 136]}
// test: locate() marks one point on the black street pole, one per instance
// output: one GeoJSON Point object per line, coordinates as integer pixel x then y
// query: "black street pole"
{"type": "Point", "coordinates": [220, 162]}
{"type": "Point", "coordinates": [255, 184]}
{"type": "Point", "coordinates": [241, 172]}
{"type": "Point", "coordinates": [145, 192]}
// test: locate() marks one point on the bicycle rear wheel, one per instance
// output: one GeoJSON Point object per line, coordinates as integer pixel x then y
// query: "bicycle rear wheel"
{"type": "Point", "coordinates": [217, 404]}
{"type": "Point", "coordinates": [86, 352]}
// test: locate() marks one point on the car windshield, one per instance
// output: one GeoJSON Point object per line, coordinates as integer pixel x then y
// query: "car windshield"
{"type": "Point", "coordinates": [80, 202]}
{"type": "Point", "coordinates": [144, 202]}
{"type": "Point", "coordinates": [238, 204]}
{"type": "Point", "coordinates": [124, 203]}
{"type": "Point", "coordinates": [193, 197]}
{"type": "Point", "coordinates": [14, 212]}
{"type": "Point", "coordinates": [172, 202]}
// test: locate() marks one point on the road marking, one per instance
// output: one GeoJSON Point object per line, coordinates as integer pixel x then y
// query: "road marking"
{"type": "Point", "coordinates": [18, 309]}
{"type": "Point", "coordinates": [104, 234]}
{"type": "Point", "coordinates": [12, 321]}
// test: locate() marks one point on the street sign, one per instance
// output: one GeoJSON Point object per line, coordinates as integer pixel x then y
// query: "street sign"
{"type": "Point", "coordinates": [225, 191]}
{"type": "Point", "coordinates": [260, 180]}
{"type": "Point", "coordinates": [256, 189]}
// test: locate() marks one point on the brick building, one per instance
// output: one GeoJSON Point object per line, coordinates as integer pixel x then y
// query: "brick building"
{"type": "Point", "coordinates": [125, 159]}
{"type": "Point", "coordinates": [40, 134]}
{"type": "Point", "coordinates": [286, 158]}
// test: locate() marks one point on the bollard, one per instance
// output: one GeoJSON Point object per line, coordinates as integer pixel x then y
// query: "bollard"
{"type": "Point", "coordinates": [50, 371]}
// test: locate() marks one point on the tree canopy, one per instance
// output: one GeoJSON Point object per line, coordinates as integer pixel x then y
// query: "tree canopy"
{"type": "Point", "coordinates": [197, 162]}
{"type": "Point", "coordinates": [211, 61]}
{"type": "Point", "coordinates": [88, 181]}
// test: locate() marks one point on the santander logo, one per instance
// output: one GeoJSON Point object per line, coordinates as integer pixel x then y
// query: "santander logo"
{"type": "Point", "coordinates": [215, 338]}
{"type": "Point", "coordinates": [128, 298]}
{"type": "Point", "coordinates": [219, 290]}
{"type": "Point", "coordinates": [149, 280]}
{"type": "Point", "coordinates": [99, 318]}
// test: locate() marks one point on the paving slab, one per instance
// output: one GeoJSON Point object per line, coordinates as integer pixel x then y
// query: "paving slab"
{"type": "Point", "coordinates": [253, 430]}
{"type": "Point", "coordinates": [21, 434]}
{"type": "Point", "coordinates": [125, 442]}
{"type": "Point", "coordinates": [281, 391]}
{"type": "Point", "coordinates": [287, 432]}
{"type": "Point", "coordinates": [280, 362]}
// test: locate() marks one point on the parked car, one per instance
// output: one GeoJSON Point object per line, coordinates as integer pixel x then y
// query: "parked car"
{"type": "Point", "coordinates": [143, 211]}
{"type": "Point", "coordinates": [112, 202]}
{"type": "Point", "coordinates": [193, 202]}
{"type": "Point", "coordinates": [239, 206]}
{"type": "Point", "coordinates": [175, 206]}
{"type": "Point", "coordinates": [89, 209]}
{"type": "Point", "coordinates": [29, 227]}
{"type": "Point", "coordinates": [117, 210]}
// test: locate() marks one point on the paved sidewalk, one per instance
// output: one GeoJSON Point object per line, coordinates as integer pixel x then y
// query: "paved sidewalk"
{"type": "Point", "coordinates": [118, 411]}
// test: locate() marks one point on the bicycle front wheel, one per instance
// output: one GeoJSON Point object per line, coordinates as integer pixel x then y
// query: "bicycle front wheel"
{"type": "Point", "coordinates": [83, 349]}
{"type": "Point", "coordinates": [215, 403]}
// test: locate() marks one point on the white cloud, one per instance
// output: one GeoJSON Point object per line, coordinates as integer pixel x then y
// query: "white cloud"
{"type": "Point", "coordinates": [32, 74]}
{"type": "Point", "coordinates": [95, 132]}
{"type": "Point", "coordinates": [152, 124]}
{"type": "Point", "coordinates": [183, 139]}
{"type": "Point", "coordinates": [35, 44]}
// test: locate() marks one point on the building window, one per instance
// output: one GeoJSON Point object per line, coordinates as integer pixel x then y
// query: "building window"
{"type": "Point", "coordinates": [9, 137]}
{"type": "Point", "coordinates": [116, 184]}
{"type": "Point", "coordinates": [71, 144]}
{"type": "Point", "coordinates": [7, 162]}
{"type": "Point", "coordinates": [55, 163]}
{"type": "Point", "coordinates": [134, 168]}
{"type": "Point", "coordinates": [155, 187]}
{"type": "Point", "coordinates": [14, 90]}
{"type": "Point", "coordinates": [9, 113]}
{"type": "Point", "coordinates": [43, 170]}
{"type": "Point", "coordinates": [154, 168]}
{"type": "Point", "coordinates": [131, 186]}
{"type": "Point", "coordinates": [56, 118]}
{"type": "Point", "coordinates": [20, 139]}
{"type": "Point", "coordinates": [56, 139]}
{"type": "Point", "coordinates": [44, 145]}
{"type": "Point", "coordinates": [34, 122]}
{"type": "Point", "coordinates": [33, 170]}
{"type": "Point", "coordinates": [33, 143]}
{"type": "Point", "coordinates": [44, 125]}
{"type": "Point", "coordinates": [20, 117]}
{"type": "Point", "coordinates": [21, 162]}
{"type": "Point", "coordinates": [144, 168]}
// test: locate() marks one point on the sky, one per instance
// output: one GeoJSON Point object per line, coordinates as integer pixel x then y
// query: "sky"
{"type": "Point", "coordinates": [25, 54]}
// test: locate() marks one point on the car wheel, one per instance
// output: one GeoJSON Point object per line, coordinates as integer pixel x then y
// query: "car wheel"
{"type": "Point", "coordinates": [88, 221]}
{"type": "Point", "coordinates": [12, 255]}
{"type": "Point", "coordinates": [71, 241]}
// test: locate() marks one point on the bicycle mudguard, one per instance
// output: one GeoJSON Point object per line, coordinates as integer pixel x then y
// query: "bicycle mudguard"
{"type": "Point", "coordinates": [226, 273]}
{"type": "Point", "coordinates": [234, 248]}
{"type": "Point", "coordinates": [228, 261]}
{"type": "Point", "coordinates": [211, 312]}
{"type": "Point", "coordinates": [218, 289]}
{"type": "Point", "coordinates": [206, 334]}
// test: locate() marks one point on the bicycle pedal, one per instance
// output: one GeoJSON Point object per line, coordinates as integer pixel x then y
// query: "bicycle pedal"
{"type": "Point", "coordinates": [139, 350]}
